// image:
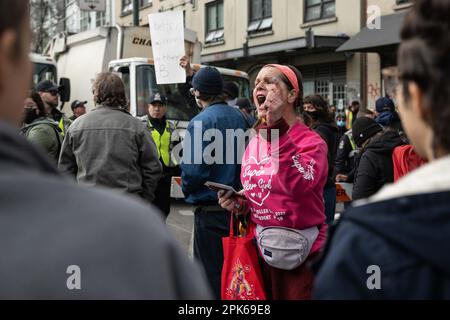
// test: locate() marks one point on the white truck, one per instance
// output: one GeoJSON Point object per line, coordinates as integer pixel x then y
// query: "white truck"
{"type": "Point", "coordinates": [45, 68]}
{"type": "Point", "coordinates": [82, 56]}
{"type": "Point", "coordinates": [127, 51]}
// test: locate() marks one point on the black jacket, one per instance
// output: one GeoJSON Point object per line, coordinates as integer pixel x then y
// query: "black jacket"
{"type": "Point", "coordinates": [184, 89]}
{"type": "Point", "coordinates": [407, 237]}
{"type": "Point", "coordinates": [374, 166]}
{"type": "Point", "coordinates": [48, 224]}
{"type": "Point", "coordinates": [346, 158]}
{"type": "Point", "coordinates": [329, 134]}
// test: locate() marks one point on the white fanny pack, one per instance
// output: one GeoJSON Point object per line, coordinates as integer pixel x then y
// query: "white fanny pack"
{"type": "Point", "coordinates": [285, 248]}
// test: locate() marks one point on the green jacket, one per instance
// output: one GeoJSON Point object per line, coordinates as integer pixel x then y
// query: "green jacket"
{"type": "Point", "coordinates": [45, 133]}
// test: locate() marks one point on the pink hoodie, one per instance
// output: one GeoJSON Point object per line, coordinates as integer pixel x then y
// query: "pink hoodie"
{"type": "Point", "coordinates": [284, 181]}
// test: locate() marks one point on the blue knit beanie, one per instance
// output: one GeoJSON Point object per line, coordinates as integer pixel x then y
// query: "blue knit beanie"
{"type": "Point", "coordinates": [384, 104]}
{"type": "Point", "coordinates": [208, 81]}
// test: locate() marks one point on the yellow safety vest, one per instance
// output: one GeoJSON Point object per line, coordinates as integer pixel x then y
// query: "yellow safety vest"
{"type": "Point", "coordinates": [349, 134]}
{"type": "Point", "coordinates": [163, 143]}
{"type": "Point", "coordinates": [348, 119]}
{"type": "Point", "coordinates": [61, 126]}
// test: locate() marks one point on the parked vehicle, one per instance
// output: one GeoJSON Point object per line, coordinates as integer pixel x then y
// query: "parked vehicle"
{"type": "Point", "coordinates": [127, 51]}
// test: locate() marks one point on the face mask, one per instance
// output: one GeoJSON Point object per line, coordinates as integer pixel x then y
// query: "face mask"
{"type": "Point", "coordinates": [340, 123]}
{"type": "Point", "coordinates": [232, 103]}
{"type": "Point", "coordinates": [313, 114]}
{"type": "Point", "coordinates": [30, 115]}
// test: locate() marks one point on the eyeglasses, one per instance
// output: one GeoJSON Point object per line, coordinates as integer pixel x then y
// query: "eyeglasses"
{"type": "Point", "coordinates": [53, 92]}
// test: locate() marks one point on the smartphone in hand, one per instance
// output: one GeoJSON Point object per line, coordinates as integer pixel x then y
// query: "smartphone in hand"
{"type": "Point", "coordinates": [218, 187]}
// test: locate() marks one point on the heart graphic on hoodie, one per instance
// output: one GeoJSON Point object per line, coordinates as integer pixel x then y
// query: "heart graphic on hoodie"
{"type": "Point", "coordinates": [257, 179]}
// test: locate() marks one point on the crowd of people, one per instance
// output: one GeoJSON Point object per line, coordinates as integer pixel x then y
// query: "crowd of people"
{"type": "Point", "coordinates": [98, 184]}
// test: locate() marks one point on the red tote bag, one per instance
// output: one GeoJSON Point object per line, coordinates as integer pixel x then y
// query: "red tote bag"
{"type": "Point", "coordinates": [241, 273]}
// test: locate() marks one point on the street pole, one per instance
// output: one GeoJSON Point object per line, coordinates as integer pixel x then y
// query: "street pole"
{"type": "Point", "coordinates": [136, 13]}
{"type": "Point", "coordinates": [364, 99]}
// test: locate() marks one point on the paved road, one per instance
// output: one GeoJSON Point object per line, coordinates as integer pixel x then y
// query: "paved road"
{"type": "Point", "coordinates": [181, 223]}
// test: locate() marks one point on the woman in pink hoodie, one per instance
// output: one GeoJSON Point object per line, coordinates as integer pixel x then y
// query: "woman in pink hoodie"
{"type": "Point", "coordinates": [284, 171]}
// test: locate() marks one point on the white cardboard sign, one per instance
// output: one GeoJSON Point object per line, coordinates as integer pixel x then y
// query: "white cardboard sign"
{"type": "Point", "coordinates": [167, 34]}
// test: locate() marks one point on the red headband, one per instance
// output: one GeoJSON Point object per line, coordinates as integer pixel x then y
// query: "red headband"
{"type": "Point", "coordinates": [292, 77]}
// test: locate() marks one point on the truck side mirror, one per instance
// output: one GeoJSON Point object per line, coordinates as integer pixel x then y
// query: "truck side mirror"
{"type": "Point", "coordinates": [64, 90]}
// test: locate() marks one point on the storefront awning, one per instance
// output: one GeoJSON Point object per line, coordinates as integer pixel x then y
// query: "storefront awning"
{"type": "Point", "coordinates": [377, 40]}
{"type": "Point", "coordinates": [319, 42]}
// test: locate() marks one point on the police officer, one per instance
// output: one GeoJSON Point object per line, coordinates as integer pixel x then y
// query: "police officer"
{"type": "Point", "coordinates": [351, 114]}
{"type": "Point", "coordinates": [165, 136]}
{"type": "Point", "coordinates": [346, 158]}
{"type": "Point", "coordinates": [49, 92]}
{"type": "Point", "coordinates": [78, 109]}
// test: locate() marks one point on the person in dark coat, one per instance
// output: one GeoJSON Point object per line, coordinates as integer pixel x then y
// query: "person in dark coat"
{"type": "Point", "coordinates": [347, 153]}
{"type": "Point", "coordinates": [387, 116]}
{"type": "Point", "coordinates": [374, 166]}
{"type": "Point", "coordinates": [63, 241]}
{"type": "Point", "coordinates": [395, 245]}
{"type": "Point", "coordinates": [340, 122]}
{"type": "Point", "coordinates": [322, 122]}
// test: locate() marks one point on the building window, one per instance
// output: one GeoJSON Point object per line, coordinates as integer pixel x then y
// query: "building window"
{"type": "Point", "coordinates": [339, 93]}
{"type": "Point", "coordinates": [319, 9]}
{"type": "Point", "coordinates": [214, 22]}
{"type": "Point", "coordinates": [127, 6]}
{"type": "Point", "coordinates": [100, 19]}
{"type": "Point", "coordinates": [260, 18]}
{"type": "Point", "coordinates": [85, 19]}
{"type": "Point", "coordinates": [327, 80]}
{"type": "Point", "coordinates": [143, 3]}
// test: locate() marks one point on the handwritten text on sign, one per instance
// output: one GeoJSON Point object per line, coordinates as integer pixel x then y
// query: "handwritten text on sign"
{"type": "Point", "coordinates": [167, 33]}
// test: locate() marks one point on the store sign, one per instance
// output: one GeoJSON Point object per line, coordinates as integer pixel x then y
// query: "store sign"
{"type": "Point", "coordinates": [92, 5]}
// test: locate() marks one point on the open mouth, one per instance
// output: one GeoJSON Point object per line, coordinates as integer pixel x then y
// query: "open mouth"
{"type": "Point", "coordinates": [261, 99]}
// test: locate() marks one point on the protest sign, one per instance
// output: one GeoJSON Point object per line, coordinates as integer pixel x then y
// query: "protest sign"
{"type": "Point", "coordinates": [167, 34]}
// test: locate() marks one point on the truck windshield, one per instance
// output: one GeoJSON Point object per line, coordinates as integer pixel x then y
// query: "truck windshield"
{"type": "Point", "coordinates": [44, 71]}
{"type": "Point", "coordinates": [242, 83]}
{"type": "Point", "coordinates": [181, 105]}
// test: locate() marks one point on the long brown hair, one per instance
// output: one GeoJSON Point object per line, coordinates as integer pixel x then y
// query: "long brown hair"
{"type": "Point", "coordinates": [109, 90]}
